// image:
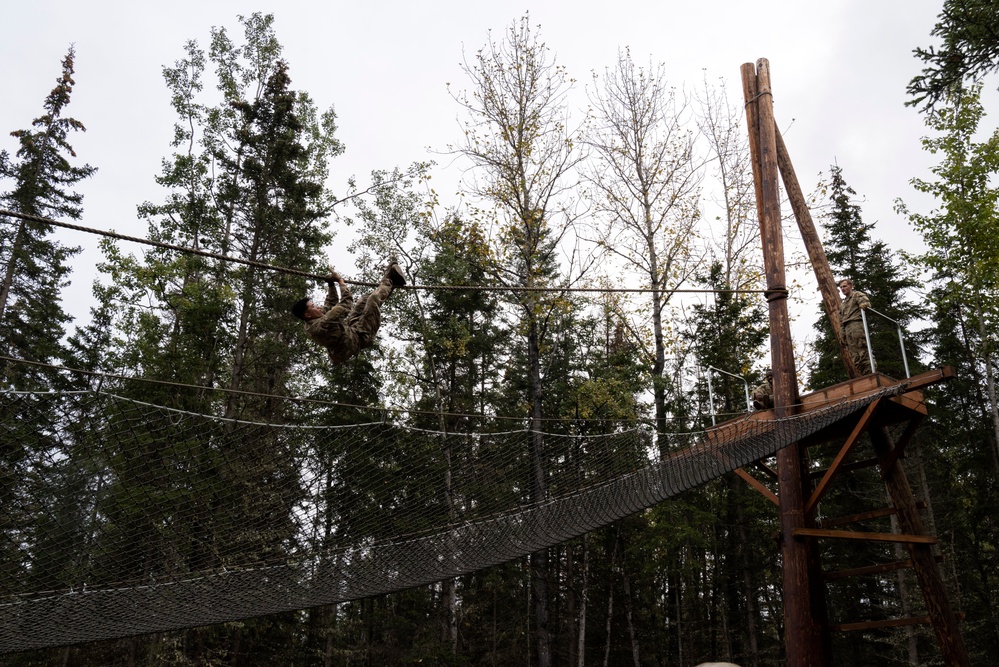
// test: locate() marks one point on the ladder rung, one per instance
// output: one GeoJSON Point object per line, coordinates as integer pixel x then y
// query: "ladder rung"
{"type": "Point", "coordinates": [872, 569]}
{"type": "Point", "coordinates": [863, 516]}
{"type": "Point", "coordinates": [870, 537]}
{"type": "Point", "coordinates": [889, 623]}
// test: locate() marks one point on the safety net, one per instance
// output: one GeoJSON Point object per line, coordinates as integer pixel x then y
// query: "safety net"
{"type": "Point", "coordinates": [123, 518]}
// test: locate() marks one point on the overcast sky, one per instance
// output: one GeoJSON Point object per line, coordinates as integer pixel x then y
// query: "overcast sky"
{"type": "Point", "coordinates": [839, 70]}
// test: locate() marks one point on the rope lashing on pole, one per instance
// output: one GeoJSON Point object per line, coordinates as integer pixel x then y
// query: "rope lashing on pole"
{"type": "Point", "coordinates": [776, 293]}
{"type": "Point", "coordinates": [306, 274]}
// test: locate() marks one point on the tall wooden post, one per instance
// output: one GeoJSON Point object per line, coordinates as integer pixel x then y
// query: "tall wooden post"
{"type": "Point", "coordinates": [805, 633]}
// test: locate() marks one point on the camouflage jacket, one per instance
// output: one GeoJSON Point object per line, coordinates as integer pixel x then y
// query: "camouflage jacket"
{"type": "Point", "coordinates": [763, 396]}
{"type": "Point", "coordinates": [849, 310]}
{"type": "Point", "coordinates": [331, 330]}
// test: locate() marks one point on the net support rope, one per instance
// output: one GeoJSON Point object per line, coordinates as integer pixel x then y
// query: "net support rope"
{"type": "Point", "coordinates": [124, 518]}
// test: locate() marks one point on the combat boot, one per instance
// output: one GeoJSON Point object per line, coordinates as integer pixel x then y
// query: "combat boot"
{"type": "Point", "coordinates": [395, 276]}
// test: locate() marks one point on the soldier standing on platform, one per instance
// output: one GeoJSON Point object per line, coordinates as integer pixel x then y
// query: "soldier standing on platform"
{"type": "Point", "coordinates": [852, 325]}
{"type": "Point", "coordinates": [763, 395]}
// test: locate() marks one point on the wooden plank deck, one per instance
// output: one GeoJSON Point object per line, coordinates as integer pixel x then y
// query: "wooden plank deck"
{"type": "Point", "coordinates": [904, 408]}
{"type": "Point", "coordinates": [898, 409]}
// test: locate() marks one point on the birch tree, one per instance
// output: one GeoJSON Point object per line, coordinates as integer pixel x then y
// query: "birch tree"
{"type": "Point", "coordinates": [961, 232]}
{"type": "Point", "coordinates": [523, 154]}
{"type": "Point", "coordinates": [735, 228]}
{"type": "Point", "coordinates": [645, 188]}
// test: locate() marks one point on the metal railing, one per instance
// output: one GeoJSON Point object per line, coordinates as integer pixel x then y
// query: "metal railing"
{"type": "Point", "coordinates": [711, 391]}
{"type": "Point", "coordinates": [867, 337]}
{"type": "Point", "coordinates": [870, 355]}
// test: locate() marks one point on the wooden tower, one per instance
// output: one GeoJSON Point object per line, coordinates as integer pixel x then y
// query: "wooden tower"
{"type": "Point", "coordinates": [807, 627]}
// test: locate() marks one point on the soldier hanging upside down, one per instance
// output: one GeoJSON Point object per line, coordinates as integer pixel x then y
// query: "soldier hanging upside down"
{"type": "Point", "coordinates": [343, 327]}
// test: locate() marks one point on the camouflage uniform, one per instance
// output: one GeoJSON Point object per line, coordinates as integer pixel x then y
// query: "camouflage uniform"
{"type": "Point", "coordinates": [853, 329]}
{"type": "Point", "coordinates": [346, 327]}
{"type": "Point", "coordinates": [763, 396]}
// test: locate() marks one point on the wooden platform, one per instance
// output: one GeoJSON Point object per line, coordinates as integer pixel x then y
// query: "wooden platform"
{"type": "Point", "coordinates": [903, 408]}
{"type": "Point", "coordinates": [907, 408]}
{"type": "Point", "coordinates": [896, 410]}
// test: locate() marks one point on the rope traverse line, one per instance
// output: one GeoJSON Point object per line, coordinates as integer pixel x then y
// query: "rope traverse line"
{"type": "Point", "coordinates": [319, 401]}
{"type": "Point", "coordinates": [306, 274]}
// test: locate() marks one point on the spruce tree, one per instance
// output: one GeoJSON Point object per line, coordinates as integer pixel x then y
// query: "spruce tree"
{"type": "Point", "coordinates": [961, 440]}
{"type": "Point", "coordinates": [32, 319]}
{"type": "Point", "coordinates": [853, 253]}
{"type": "Point", "coordinates": [731, 332]}
{"type": "Point", "coordinates": [875, 270]}
{"type": "Point", "coordinates": [42, 524]}
{"type": "Point", "coordinates": [968, 52]}
{"type": "Point", "coordinates": [247, 179]}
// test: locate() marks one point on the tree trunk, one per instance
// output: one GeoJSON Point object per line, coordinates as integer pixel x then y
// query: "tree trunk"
{"type": "Point", "coordinates": [659, 365]}
{"type": "Point", "coordinates": [752, 650]}
{"type": "Point", "coordinates": [242, 333]}
{"type": "Point", "coordinates": [678, 615]}
{"type": "Point", "coordinates": [935, 595]}
{"type": "Point", "coordinates": [903, 592]}
{"type": "Point", "coordinates": [539, 559]}
{"type": "Point", "coordinates": [990, 381]}
{"type": "Point", "coordinates": [8, 278]}
{"type": "Point", "coordinates": [629, 615]}
{"type": "Point", "coordinates": [608, 623]}
{"type": "Point", "coordinates": [449, 590]}
{"type": "Point", "coordinates": [584, 594]}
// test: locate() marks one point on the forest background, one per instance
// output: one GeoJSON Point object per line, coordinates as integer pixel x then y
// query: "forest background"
{"type": "Point", "coordinates": [636, 183]}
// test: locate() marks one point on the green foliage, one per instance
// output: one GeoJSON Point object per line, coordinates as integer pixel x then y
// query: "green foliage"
{"type": "Point", "coordinates": [742, 325]}
{"type": "Point", "coordinates": [962, 255]}
{"type": "Point", "coordinates": [876, 271]}
{"type": "Point", "coordinates": [247, 180]}
{"type": "Point", "coordinates": [961, 232]}
{"type": "Point", "coordinates": [460, 334]}
{"type": "Point", "coordinates": [962, 258]}
{"type": "Point", "coordinates": [969, 51]}
{"type": "Point", "coordinates": [32, 320]}
{"type": "Point", "coordinates": [690, 579]}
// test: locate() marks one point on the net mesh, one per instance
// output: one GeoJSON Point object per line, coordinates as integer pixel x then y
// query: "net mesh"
{"type": "Point", "coordinates": [123, 518]}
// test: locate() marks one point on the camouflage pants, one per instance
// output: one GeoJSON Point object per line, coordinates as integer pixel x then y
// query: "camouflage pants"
{"type": "Point", "coordinates": [856, 343]}
{"type": "Point", "coordinates": [365, 317]}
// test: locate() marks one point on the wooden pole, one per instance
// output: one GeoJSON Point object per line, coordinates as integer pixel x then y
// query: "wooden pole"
{"type": "Point", "coordinates": [804, 615]}
{"type": "Point", "coordinates": [750, 93]}
{"type": "Point", "coordinates": [816, 253]}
